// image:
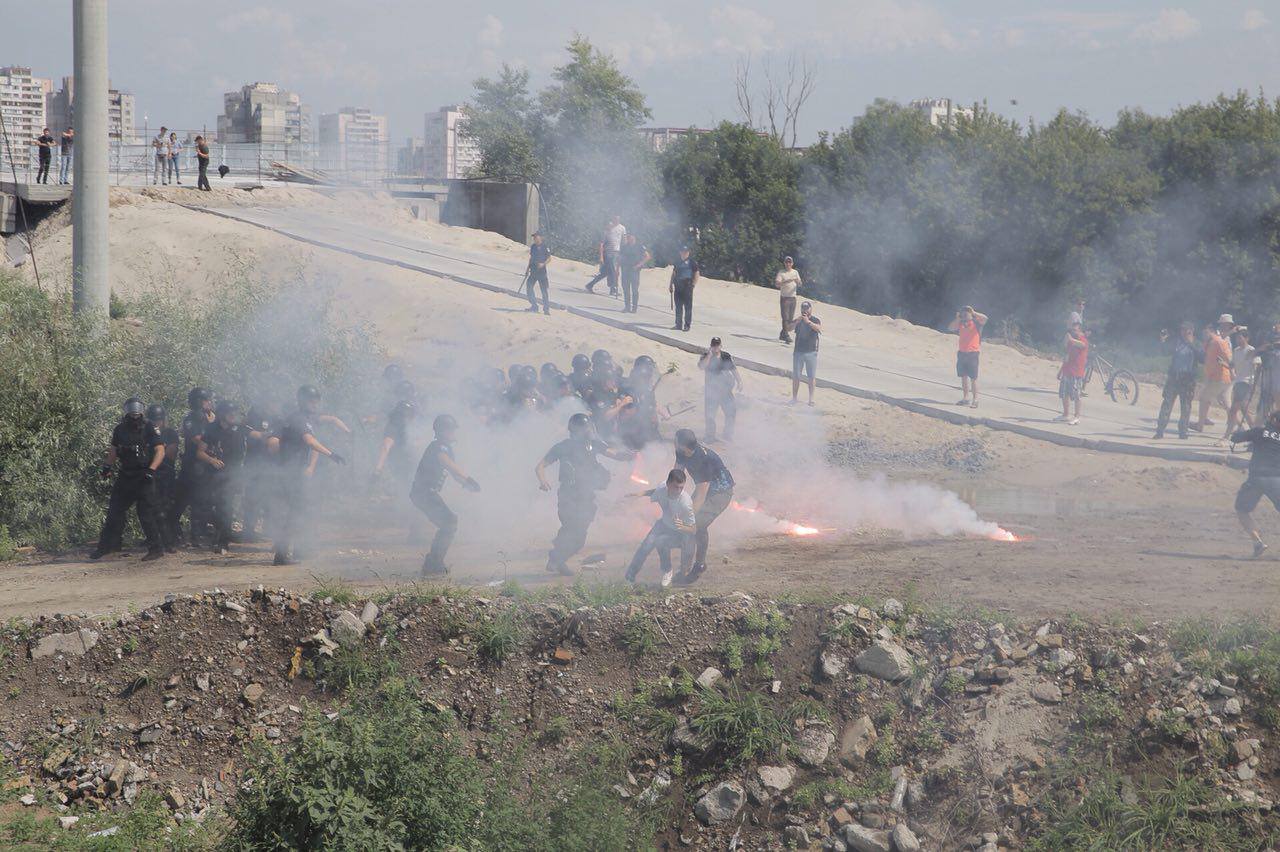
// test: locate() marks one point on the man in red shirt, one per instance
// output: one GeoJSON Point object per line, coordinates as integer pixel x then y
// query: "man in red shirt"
{"type": "Point", "coordinates": [1217, 369]}
{"type": "Point", "coordinates": [968, 324]}
{"type": "Point", "coordinates": [1071, 376]}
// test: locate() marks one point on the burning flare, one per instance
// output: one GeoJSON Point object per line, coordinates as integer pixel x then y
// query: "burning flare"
{"type": "Point", "coordinates": [800, 529]}
{"type": "Point", "coordinates": [1002, 534]}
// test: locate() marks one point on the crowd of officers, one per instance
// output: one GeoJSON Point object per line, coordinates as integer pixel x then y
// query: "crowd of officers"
{"type": "Point", "coordinates": [240, 475]}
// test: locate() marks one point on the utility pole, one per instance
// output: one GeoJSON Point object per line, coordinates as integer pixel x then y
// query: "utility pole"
{"type": "Point", "coordinates": [90, 283]}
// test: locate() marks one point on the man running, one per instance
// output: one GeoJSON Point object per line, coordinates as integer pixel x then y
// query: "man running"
{"type": "Point", "coordinates": [675, 529]}
{"type": "Point", "coordinates": [968, 325]}
{"type": "Point", "coordinates": [712, 494]}
{"type": "Point", "coordinates": [1264, 475]}
{"type": "Point", "coordinates": [581, 476]}
{"type": "Point", "coordinates": [425, 492]}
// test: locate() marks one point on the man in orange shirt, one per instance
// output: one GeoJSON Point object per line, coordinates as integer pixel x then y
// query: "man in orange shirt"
{"type": "Point", "coordinates": [1217, 369]}
{"type": "Point", "coordinates": [968, 324]}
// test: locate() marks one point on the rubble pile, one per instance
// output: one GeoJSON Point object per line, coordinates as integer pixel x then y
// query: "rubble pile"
{"type": "Point", "coordinates": [867, 726]}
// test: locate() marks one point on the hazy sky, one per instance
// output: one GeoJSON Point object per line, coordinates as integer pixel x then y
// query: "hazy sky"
{"type": "Point", "coordinates": [403, 58]}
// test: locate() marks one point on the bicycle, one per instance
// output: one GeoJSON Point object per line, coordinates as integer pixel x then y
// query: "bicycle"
{"type": "Point", "coordinates": [1120, 385]}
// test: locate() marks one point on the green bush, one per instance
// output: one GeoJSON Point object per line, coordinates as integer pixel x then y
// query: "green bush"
{"type": "Point", "coordinates": [61, 385]}
{"type": "Point", "coordinates": [739, 726]}
{"type": "Point", "coordinates": [498, 638]}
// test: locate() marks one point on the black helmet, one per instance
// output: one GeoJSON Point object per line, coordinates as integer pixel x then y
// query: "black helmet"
{"type": "Point", "coordinates": [406, 390]}
{"type": "Point", "coordinates": [643, 361]}
{"type": "Point", "coordinates": [198, 396]}
{"type": "Point", "coordinates": [308, 393]}
{"type": "Point", "coordinates": [444, 423]}
{"type": "Point", "coordinates": [579, 423]}
{"type": "Point", "coordinates": [225, 407]}
{"type": "Point", "coordinates": [392, 373]}
{"type": "Point", "coordinates": [133, 406]}
{"type": "Point", "coordinates": [580, 362]}
{"type": "Point", "coordinates": [514, 371]}
{"type": "Point", "coordinates": [156, 412]}
{"type": "Point", "coordinates": [548, 370]}
{"type": "Point", "coordinates": [601, 356]}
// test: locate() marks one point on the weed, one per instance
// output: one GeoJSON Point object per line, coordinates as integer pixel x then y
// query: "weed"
{"type": "Point", "coordinates": [8, 547]}
{"type": "Point", "coordinates": [130, 645]}
{"type": "Point", "coordinates": [357, 667]}
{"type": "Point", "coordinates": [885, 752]}
{"type": "Point", "coordinates": [638, 635]}
{"type": "Point", "coordinates": [809, 709]}
{"type": "Point", "coordinates": [732, 652]}
{"type": "Point", "coordinates": [953, 683]}
{"type": "Point", "coordinates": [886, 713]}
{"type": "Point", "coordinates": [927, 738]}
{"type": "Point", "coordinates": [677, 765]}
{"type": "Point", "coordinates": [334, 588]}
{"type": "Point", "coordinates": [557, 730]}
{"type": "Point", "coordinates": [740, 726]}
{"type": "Point", "coordinates": [1099, 709]}
{"type": "Point", "coordinates": [499, 637]}
{"type": "Point", "coordinates": [1173, 726]}
{"type": "Point", "coordinates": [870, 787]}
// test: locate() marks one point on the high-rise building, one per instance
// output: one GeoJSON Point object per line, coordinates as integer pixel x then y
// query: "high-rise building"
{"type": "Point", "coordinates": [354, 140]}
{"type": "Point", "coordinates": [940, 112]}
{"type": "Point", "coordinates": [409, 158]}
{"type": "Point", "coordinates": [22, 107]}
{"type": "Point", "coordinates": [60, 112]}
{"type": "Point", "coordinates": [265, 113]}
{"type": "Point", "coordinates": [446, 152]}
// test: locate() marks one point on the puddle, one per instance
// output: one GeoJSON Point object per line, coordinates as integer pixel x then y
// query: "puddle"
{"type": "Point", "coordinates": [1002, 502]}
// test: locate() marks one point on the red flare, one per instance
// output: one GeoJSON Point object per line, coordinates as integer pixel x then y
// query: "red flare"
{"type": "Point", "coordinates": [1002, 534]}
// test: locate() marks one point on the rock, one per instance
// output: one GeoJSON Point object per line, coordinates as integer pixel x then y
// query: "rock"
{"type": "Point", "coordinates": [1231, 707]}
{"type": "Point", "coordinates": [885, 660]}
{"type": "Point", "coordinates": [796, 836]}
{"type": "Point", "coordinates": [232, 606]}
{"type": "Point", "coordinates": [150, 735]}
{"type": "Point", "coordinates": [1245, 772]}
{"type": "Point", "coordinates": [684, 738]}
{"type": "Point", "coordinates": [892, 608]}
{"type": "Point", "coordinates": [721, 803]}
{"type": "Point", "coordinates": [346, 629]}
{"type": "Point", "coordinates": [174, 799]}
{"type": "Point", "coordinates": [115, 782]}
{"type": "Point", "coordinates": [651, 794]}
{"type": "Point", "coordinates": [370, 612]}
{"type": "Point", "coordinates": [562, 657]}
{"type": "Point", "coordinates": [710, 677]}
{"type": "Point", "coordinates": [1047, 692]}
{"type": "Point", "coordinates": [54, 761]}
{"type": "Point", "coordinates": [813, 744]}
{"type": "Point", "coordinates": [252, 693]}
{"type": "Point", "coordinates": [1141, 642]}
{"type": "Point", "coordinates": [68, 821]}
{"type": "Point", "coordinates": [75, 644]}
{"type": "Point", "coordinates": [831, 665]}
{"type": "Point", "coordinates": [106, 832]}
{"type": "Point", "coordinates": [776, 779]}
{"type": "Point", "coordinates": [862, 839]}
{"type": "Point", "coordinates": [28, 800]}
{"type": "Point", "coordinates": [856, 739]}
{"type": "Point", "coordinates": [1062, 657]}
{"type": "Point", "coordinates": [202, 681]}
{"type": "Point", "coordinates": [904, 839]}
{"type": "Point", "coordinates": [915, 795]}
{"type": "Point", "coordinates": [1049, 640]}
{"type": "Point", "coordinates": [841, 816]}
{"type": "Point", "coordinates": [1243, 749]}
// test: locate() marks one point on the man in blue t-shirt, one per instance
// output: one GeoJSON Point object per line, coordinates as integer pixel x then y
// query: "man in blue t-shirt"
{"type": "Point", "coordinates": [684, 277]}
{"type": "Point", "coordinates": [539, 257]}
{"type": "Point", "coordinates": [712, 494]}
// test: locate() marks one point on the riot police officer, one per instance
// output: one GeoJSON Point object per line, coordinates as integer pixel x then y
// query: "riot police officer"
{"type": "Point", "coordinates": [297, 445]}
{"type": "Point", "coordinates": [581, 476]}
{"type": "Point", "coordinates": [165, 474]}
{"type": "Point", "coordinates": [189, 492]}
{"type": "Point", "coordinates": [222, 450]}
{"type": "Point", "coordinates": [137, 449]}
{"type": "Point", "coordinates": [436, 461]}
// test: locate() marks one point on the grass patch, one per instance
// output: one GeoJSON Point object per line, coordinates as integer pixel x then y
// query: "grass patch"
{"type": "Point", "coordinates": [335, 589]}
{"type": "Point", "coordinates": [145, 825]}
{"type": "Point", "coordinates": [739, 726]}
{"type": "Point", "coordinates": [873, 785]}
{"type": "Point", "coordinates": [499, 637]}
{"type": "Point", "coordinates": [638, 635]}
{"type": "Point", "coordinates": [357, 667]}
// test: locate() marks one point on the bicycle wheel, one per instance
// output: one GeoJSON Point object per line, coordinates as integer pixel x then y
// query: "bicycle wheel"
{"type": "Point", "coordinates": [1124, 387]}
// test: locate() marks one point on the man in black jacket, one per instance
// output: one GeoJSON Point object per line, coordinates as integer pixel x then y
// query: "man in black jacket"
{"type": "Point", "coordinates": [1264, 475]}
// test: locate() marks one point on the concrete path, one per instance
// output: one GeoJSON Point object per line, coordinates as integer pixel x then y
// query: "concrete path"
{"type": "Point", "coordinates": [925, 386]}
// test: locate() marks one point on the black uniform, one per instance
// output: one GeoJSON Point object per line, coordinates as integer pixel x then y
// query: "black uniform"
{"type": "Point", "coordinates": [425, 494]}
{"type": "Point", "coordinates": [632, 256]}
{"type": "Point", "coordinates": [638, 423]}
{"type": "Point", "coordinates": [164, 479]}
{"type": "Point", "coordinates": [538, 256]}
{"type": "Point", "coordinates": [230, 445]}
{"type": "Point", "coordinates": [581, 476]}
{"type": "Point", "coordinates": [721, 377]}
{"type": "Point", "coordinates": [135, 443]}
{"type": "Point", "coordinates": [705, 465]}
{"type": "Point", "coordinates": [190, 491]}
{"type": "Point", "coordinates": [45, 150]}
{"type": "Point", "coordinates": [295, 455]}
{"type": "Point", "coordinates": [259, 475]}
{"type": "Point", "coordinates": [1264, 468]}
{"type": "Point", "coordinates": [682, 274]}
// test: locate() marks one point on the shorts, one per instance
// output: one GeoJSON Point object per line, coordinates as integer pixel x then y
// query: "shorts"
{"type": "Point", "coordinates": [1215, 392]}
{"type": "Point", "coordinates": [967, 365]}
{"type": "Point", "coordinates": [804, 362]}
{"type": "Point", "coordinates": [1254, 489]}
{"type": "Point", "coordinates": [1069, 387]}
{"type": "Point", "coordinates": [1240, 392]}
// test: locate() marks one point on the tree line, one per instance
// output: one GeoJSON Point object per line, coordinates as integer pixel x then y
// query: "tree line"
{"type": "Point", "coordinates": [1154, 220]}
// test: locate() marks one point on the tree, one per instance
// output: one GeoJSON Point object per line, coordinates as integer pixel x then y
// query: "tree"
{"type": "Point", "coordinates": [502, 121]}
{"type": "Point", "coordinates": [776, 108]}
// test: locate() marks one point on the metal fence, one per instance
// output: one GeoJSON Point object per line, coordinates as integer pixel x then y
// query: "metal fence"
{"type": "Point", "coordinates": [133, 163]}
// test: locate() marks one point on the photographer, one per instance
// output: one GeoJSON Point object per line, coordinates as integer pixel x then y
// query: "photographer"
{"type": "Point", "coordinates": [804, 357]}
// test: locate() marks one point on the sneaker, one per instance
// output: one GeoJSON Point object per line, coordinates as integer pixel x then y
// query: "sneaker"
{"type": "Point", "coordinates": [1061, 418]}
{"type": "Point", "coordinates": [1157, 436]}
{"type": "Point", "coordinates": [675, 328]}
{"type": "Point", "coordinates": [1258, 549]}
{"type": "Point", "coordinates": [1074, 421]}
{"type": "Point", "coordinates": [631, 574]}
{"type": "Point", "coordinates": [153, 555]}
{"type": "Point", "coordinates": [964, 401]}
{"type": "Point", "coordinates": [561, 569]}
{"type": "Point", "coordinates": [433, 569]}
{"type": "Point", "coordinates": [170, 549]}
{"type": "Point", "coordinates": [98, 553]}
{"type": "Point", "coordinates": [532, 309]}
{"type": "Point", "coordinates": [668, 577]}
{"type": "Point", "coordinates": [219, 550]}
{"type": "Point", "coordinates": [973, 404]}
{"type": "Point", "coordinates": [692, 577]}
{"type": "Point", "coordinates": [547, 311]}
{"type": "Point", "coordinates": [590, 288]}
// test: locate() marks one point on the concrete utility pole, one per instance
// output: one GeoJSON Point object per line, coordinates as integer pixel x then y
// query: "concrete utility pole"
{"type": "Point", "coordinates": [90, 283]}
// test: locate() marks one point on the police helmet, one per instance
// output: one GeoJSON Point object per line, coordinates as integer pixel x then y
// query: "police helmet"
{"type": "Point", "coordinates": [548, 370]}
{"type": "Point", "coordinates": [601, 356]}
{"type": "Point", "coordinates": [392, 373]}
{"type": "Point", "coordinates": [514, 371]}
{"type": "Point", "coordinates": [156, 412]}
{"type": "Point", "coordinates": [643, 361]}
{"type": "Point", "coordinates": [444, 423]}
{"type": "Point", "coordinates": [133, 406]}
{"type": "Point", "coordinates": [198, 396]}
{"type": "Point", "coordinates": [226, 407]}
{"type": "Point", "coordinates": [308, 393]}
{"type": "Point", "coordinates": [580, 362]}
{"type": "Point", "coordinates": [579, 424]}
{"type": "Point", "coordinates": [406, 390]}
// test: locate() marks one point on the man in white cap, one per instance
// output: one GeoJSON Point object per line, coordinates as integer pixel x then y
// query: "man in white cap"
{"type": "Point", "coordinates": [1217, 369]}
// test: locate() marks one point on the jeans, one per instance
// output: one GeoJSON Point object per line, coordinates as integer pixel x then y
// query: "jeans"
{"type": "Point", "coordinates": [631, 288]}
{"type": "Point", "coordinates": [538, 275]}
{"type": "Point", "coordinates": [203, 181]}
{"type": "Point", "coordinates": [612, 268]}
{"type": "Point", "coordinates": [64, 168]}
{"type": "Point", "coordinates": [162, 170]}
{"type": "Point", "coordinates": [1182, 389]}
{"type": "Point", "coordinates": [787, 305]}
{"type": "Point", "coordinates": [684, 304]}
{"type": "Point", "coordinates": [663, 539]}
{"type": "Point", "coordinates": [173, 169]}
{"type": "Point", "coordinates": [712, 508]}
{"type": "Point", "coordinates": [42, 175]}
{"type": "Point", "coordinates": [431, 504]}
{"type": "Point", "coordinates": [719, 400]}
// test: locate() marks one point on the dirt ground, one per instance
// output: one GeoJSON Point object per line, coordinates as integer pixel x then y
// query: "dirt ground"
{"type": "Point", "coordinates": [1104, 533]}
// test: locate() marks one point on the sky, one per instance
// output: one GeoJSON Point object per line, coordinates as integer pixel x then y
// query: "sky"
{"type": "Point", "coordinates": [403, 59]}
